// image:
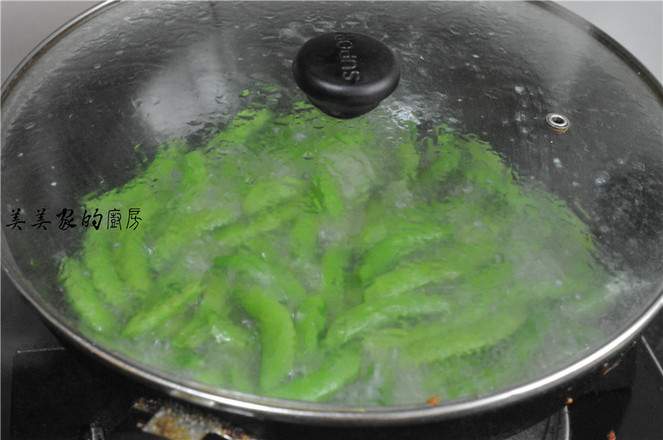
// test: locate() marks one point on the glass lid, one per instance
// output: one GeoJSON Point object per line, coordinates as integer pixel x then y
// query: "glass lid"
{"type": "Point", "coordinates": [183, 195]}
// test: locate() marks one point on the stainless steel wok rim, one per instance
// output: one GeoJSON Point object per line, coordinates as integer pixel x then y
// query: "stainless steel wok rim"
{"type": "Point", "coordinates": [307, 412]}
{"type": "Point", "coordinates": [324, 414]}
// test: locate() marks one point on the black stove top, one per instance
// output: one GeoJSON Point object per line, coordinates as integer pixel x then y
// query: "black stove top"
{"type": "Point", "coordinates": [52, 392]}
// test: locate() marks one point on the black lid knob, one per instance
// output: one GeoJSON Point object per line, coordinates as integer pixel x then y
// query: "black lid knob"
{"type": "Point", "coordinates": [345, 74]}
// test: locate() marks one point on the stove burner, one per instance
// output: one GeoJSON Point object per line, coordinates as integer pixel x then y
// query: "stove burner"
{"type": "Point", "coordinates": [179, 422]}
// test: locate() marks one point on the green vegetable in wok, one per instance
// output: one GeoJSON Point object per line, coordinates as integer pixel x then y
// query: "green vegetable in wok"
{"type": "Point", "coordinates": [355, 261]}
{"type": "Point", "coordinates": [277, 335]}
{"type": "Point", "coordinates": [340, 370]}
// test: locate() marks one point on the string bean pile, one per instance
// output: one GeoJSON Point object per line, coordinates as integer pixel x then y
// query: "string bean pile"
{"type": "Point", "coordinates": [307, 258]}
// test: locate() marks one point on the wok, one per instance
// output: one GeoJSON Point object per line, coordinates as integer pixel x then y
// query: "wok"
{"type": "Point", "coordinates": [90, 110]}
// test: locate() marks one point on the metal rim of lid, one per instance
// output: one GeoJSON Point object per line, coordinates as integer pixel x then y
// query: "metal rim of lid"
{"type": "Point", "coordinates": [296, 411]}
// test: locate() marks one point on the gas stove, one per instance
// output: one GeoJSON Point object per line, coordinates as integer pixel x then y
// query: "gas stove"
{"type": "Point", "coordinates": [51, 391]}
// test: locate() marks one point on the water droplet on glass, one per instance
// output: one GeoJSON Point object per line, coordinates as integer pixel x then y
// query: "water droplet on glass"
{"type": "Point", "coordinates": [300, 137]}
{"type": "Point", "coordinates": [602, 178]}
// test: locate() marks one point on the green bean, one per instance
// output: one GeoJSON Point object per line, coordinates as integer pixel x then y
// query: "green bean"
{"type": "Point", "coordinates": [267, 193]}
{"type": "Point", "coordinates": [467, 375]}
{"type": "Point", "coordinates": [235, 234]}
{"type": "Point", "coordinates": [347, 176]}
{"type": "Point", "coordinates": [408, 156]}
{"type": "Point", "coordinates": [167, 249]}
{"type": "Point", "coordinates": [227, 374]}
{"type": "Point", "coordinates": [444, 161]}
{"type": "Point", "coordinates": [487, 169]}
{"type": "Point", "coordinates": [277, 335]}
{"type": "Point", "coordinates": [309, 324]}
{"type": "Point", "coordinates": [185, 359]}
{"type": "Point", "coordinates": [433, 265]}
{"type": "Point", "coordinates": [217, 377]}
{"type": "Point", "coordinates": [203, 205]}
{"type": "Point", "coordinates": [332, 289]}
{"type": "Point", "coordinates": [98, 252]}
{"type": "Point", "coordinates": [304, 236]}
{"type": "Point", "coordinates": [280, 282]}
{"type": "Point", "coordinates": [408, 277]}
{"type": "Point", "coordinates": [467, 328]}
{"type": "Point", "coordinates": [211, 322]}
{"type": "Point", "coordinates": [231, 365]}
{"type": "Point", "coordinates": [385, 311]}
{"type": "Point", "coordinates": [376, 225]}
{"type": "Point", "coordinates": [399, 244]}
{"type": "Point", "coordinates": [331, 193]}
{"type": "Point", "coordinates": [246, 125]}
{"type": "Point", "coordinates": [177, 326]}
{"type": "Point", "coordinates": [466, 337]}
{"type": "Point", "coordinates": [87, 304]}
{"type": "Point", "coordinates": [132, 262]}
{"type": "Point", "coordinates": [164, 165]}
{"type": "Point", "coordinates": [216, 289]}
{"type": "Point", "coordinates": [195, 174]}
{"type": "Point", "coordinates": [171, 237]}
{"type": "Point", "coordinates": [130, 254]}
{"type": "Point", "coordinates": [476, 225]}
{"type": "Point", "coordinates": [339, 370]}
{"type": "Point", "coordinates": [152, 317]}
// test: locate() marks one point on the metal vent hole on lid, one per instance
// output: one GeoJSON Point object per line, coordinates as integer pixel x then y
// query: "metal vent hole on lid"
{"type": "Point", "coordinates": [558, 122]}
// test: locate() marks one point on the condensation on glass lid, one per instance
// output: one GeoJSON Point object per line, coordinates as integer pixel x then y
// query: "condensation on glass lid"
{"type": "Point", "coordinates": [332, 270]}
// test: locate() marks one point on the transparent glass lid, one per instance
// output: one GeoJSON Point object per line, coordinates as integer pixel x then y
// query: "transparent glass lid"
{"type": "Point", "coordinates": [170, 196]}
